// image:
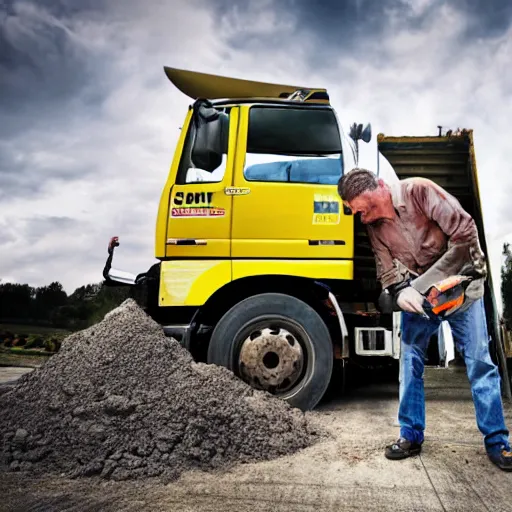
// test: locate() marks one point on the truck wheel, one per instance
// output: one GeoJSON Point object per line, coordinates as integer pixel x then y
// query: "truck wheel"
{"type": "Point", "coordinates": [276, 343]}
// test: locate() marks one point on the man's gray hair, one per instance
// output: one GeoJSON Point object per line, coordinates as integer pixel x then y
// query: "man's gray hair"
{"type": "Point", "coordinates": [356, 182]}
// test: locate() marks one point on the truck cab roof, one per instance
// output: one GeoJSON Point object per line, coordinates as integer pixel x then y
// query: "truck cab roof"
{"type": "Point", "coordinates": [223, 90]}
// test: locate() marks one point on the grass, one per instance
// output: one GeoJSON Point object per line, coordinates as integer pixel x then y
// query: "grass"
{"type": "Point", "coordinates": [30, 329]}
{"type": "Point", "coordinates": [12, 359]}
{"type": "Point", "coordinates": [28, 352]}
{"type": "Point", "coordinates": [23, 356]}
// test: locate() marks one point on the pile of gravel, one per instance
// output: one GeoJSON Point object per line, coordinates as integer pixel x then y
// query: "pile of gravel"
{"type": "Point", "coordinates": [122, 400]}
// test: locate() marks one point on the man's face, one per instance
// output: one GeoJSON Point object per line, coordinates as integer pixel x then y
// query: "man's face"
{"type": "Point", "coordinates": [373, 205]}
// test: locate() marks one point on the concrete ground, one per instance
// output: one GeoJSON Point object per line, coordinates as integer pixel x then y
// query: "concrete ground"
{"type": "Point", "coordinates": [10, 374]}
{"type": "Point", "coordinates": [347, 472]}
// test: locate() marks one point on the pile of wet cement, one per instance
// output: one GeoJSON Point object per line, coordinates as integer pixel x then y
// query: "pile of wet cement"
{"type": "Point", "coordinates": [122, 400]}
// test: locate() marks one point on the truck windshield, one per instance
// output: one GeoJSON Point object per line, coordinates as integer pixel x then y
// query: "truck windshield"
{"type": "Point", "coordinates": [301, 145]}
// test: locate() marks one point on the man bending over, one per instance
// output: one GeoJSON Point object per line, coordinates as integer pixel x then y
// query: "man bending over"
{"type": "Point", "coordinates": [421, 233]}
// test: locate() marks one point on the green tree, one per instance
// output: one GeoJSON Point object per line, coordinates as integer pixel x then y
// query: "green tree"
{"type": "Point", "coordinates": [48, 299]}
{"type": "Point", "coordinates": [506, 285]}
{"type": "Point", "coordinates": [50, 305]}
{"type": "Point", "coordinates": [16, 301]}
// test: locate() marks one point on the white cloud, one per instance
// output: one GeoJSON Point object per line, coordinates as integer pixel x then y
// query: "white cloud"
{"type": "Point", "coordinates": [407, 81]}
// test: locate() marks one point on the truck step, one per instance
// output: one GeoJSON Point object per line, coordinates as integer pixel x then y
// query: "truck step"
{"type": "Point", "coordinates": [373, 341]}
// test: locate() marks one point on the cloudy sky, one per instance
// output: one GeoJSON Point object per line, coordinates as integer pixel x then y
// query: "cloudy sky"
{"type": "Point", "coordinates": [88, 120]}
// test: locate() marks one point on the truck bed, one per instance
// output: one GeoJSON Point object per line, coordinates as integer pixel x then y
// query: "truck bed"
{"type": "Point", "coordinates": [448, 161]}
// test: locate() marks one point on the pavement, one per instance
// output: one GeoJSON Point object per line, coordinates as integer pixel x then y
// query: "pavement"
{"type": "Point", "coordinates": [346, 472]}
{"type": "Point", "coordinates": [350, 472]}
{"type": "Point", "coordinates": [10, 374]}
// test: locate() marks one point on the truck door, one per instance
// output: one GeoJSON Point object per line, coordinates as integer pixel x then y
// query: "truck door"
{"type": "Point", "coordinates": [286, 203]}
{"type": "Point", "coordinates": [199, 222]}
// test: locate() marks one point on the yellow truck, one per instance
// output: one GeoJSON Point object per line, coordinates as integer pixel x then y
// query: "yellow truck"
{"type": "Point", "coordinates": [260, 267]}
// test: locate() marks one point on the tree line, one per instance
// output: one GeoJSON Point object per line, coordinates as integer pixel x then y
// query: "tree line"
{"type": "Point", "coordinates": [52, 306]}
{"type": "Point", "coordinates": [506, 286]}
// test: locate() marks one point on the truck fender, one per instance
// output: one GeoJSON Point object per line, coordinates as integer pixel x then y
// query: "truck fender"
{"type": "Point", "coordinates": [343, 325]}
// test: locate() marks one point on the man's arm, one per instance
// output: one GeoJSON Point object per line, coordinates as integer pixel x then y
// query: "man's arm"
{"type": "Point", "coordinates": [392, 274]}
{"type": "Point", "coordinates": [464, 252]}
{"type": "Point", "coordinates": [387, 272]}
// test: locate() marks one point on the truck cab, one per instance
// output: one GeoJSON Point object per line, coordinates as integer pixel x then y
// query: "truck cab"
{"type": "Point", "coordinates": [260, 267]}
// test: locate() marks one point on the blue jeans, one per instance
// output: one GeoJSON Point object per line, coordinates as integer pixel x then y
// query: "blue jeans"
{"type": "Point", "coordinates": [469, 330]}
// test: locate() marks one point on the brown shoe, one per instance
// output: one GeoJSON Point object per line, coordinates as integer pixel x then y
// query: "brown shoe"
{"type": "Point", "coordinates": [502, 459]}
{"type": "Point", "coordinates": [402, 449]}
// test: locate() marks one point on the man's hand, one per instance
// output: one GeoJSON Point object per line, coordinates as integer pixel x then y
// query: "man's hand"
{"type": "Point", "coordinates": [411, 300]}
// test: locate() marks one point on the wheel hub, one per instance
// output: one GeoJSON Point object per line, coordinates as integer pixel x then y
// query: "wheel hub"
{"type": "Point", "coordinates": [271, 359]}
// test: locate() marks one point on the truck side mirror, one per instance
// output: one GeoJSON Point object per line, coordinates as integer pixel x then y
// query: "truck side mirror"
{"type": "Point", "coordinates": [357, 133]}
{"type": "Point", "coordinates": [366, 135]}
{"type": "Point", "coordinates": [210, 136]}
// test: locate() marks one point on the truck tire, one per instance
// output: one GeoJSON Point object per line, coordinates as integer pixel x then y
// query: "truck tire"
{"type": "Point", "coordinates": [277, 343]}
